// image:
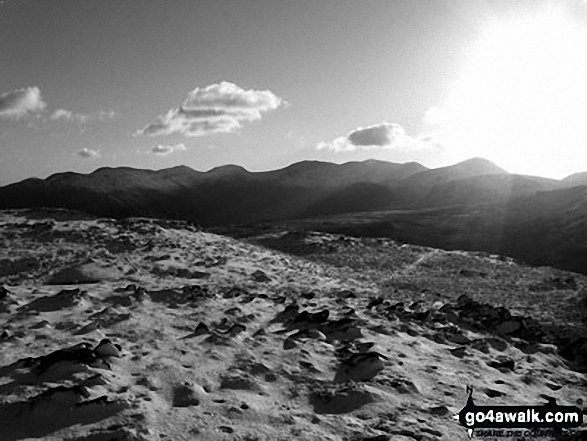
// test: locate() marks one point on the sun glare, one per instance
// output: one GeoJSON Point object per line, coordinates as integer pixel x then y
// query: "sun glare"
{"type": "Point", "coordinates": [521, 99]}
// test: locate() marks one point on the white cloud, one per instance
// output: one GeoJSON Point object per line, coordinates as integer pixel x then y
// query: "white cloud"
{"type": "Point", "coordinates": [217, 108]}
{"type": "Point", "coordinates": [164, 150]}
{"type": "Point", "coordinates": [384, 135]}
{"type": "Point", "coordinates": [18, 103]}
{"type": "Point", "coordinates": [88, 153]}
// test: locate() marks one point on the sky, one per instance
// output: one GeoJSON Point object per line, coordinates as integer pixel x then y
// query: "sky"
{"type": "Point", "coordinates": [153, 84]}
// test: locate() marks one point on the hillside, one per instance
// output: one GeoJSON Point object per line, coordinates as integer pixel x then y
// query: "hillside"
{"type": "Point", "coordinates": [143, 329]}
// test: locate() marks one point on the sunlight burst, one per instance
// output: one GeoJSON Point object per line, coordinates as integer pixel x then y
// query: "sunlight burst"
{"type": "Point", "coordinates": [521, 99]}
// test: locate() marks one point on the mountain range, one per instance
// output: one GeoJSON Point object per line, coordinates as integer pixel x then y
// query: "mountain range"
{"type": "Point", "coordinates": [473, 205]}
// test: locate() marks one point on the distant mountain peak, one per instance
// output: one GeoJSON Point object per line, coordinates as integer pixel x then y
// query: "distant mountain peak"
{"type": "Point", "coordinates": [480, 165]}
{"type": "Point", "coordinates": [229, 169]}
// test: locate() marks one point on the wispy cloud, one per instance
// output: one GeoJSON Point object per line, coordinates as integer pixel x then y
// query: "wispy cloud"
{"type": "Point", "coordinates": [217, 108]}
{"type": "Point", "coordinates": [164, 150]}
{"type": "Point", "coordinates": [80, 118]}
{"type": "Point", "coordinates": [105, 114]}
{"type": "Point", "coordinates": [88, 153]}
{"type": "Point", "coordinates": [29, 102]}
{"type": "Point", "coordinates": [384, 135]}
{"type": "Point", "coordinates": [20, 102]}
{"type": "Point", "coordinates": [68, 115]}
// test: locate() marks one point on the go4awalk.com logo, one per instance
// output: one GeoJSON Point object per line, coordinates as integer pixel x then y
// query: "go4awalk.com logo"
{"type": "Point", "coordinates": [531, 421]}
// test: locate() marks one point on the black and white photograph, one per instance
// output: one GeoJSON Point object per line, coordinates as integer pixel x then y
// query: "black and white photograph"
{"type": "Point", "coordinates": [274, 220]}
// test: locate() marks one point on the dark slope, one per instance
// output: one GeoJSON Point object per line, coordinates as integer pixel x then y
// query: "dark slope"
{"type": "Point", "coordinates": [546, 228]}
{"type": "Point", "coordinates": [575, 179]}
{"type": "Point", "coordinates": [362, 196]}
{"type": "Point", "coordinates": [414, 190]}
{"type": "Point", "coordinates": [115, 192]}
{"type": "Point", "coordinates": [486, 188]}
{"type": "Point", "coordinates": [549, 228]}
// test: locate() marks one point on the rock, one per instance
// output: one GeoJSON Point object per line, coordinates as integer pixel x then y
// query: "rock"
{"type": "Point", "coordinates": [290, 311]}
{"type": "Point", "coordinates": [235, 329]}
{"type": "Point", "coordinates": [61, 396]}
{"type": "Point", "coordinates": [151, 383]}
{"type": "Point", "coordinates": [309, 333]}
{"type": "Point", "coordinates": [41, 324]}
{"type": "Point", "coordinates": [107, 349]}
{"type": "Point", "coordinates": [492, 393]}
{"type": "Point", "coordinates": [459, 352]}
{"type": "Point", "coordinates": [375, 302]}
{"type": "Point", "coordinates": [239, 381]}
{"type": "Point", "coordinates": [497, 343]}
{"type": "Point", "coordinates": [234, 292]}
{"type": "Point", "coordinates": [202, 328]}
{"type": "Point", "coordinates": [343, 329]}
{"type": "Point", "coordinates": [502, 364]}
{"type": "Point", "coordinates": [289, 343]}
{"type": "Point", "coordinates": [80, 354]}
{"type": "Point", "coordinates": [339, 402]}
{"type": "Point", "coordinates": [481, 345]}
{"type": "Point", "coordinates": [185, 396]}
{"type": "Point", "coordinates": [4, 292]}
{"type": "Point", "coordinates": [360, 367]}
{"type": "Point", "coordinates": [306, 320]}
{"type": "Point", "coordinates": [260, 276]}
{"type": "Point", "coordinates": [86, 273]}
{"type": "Point", "coordinates": [508, 327]}
{"type": "Point", "coordinates": [64, 299]}
{"type": "Point", "coordinates": [90, 327]}
{"type": "Point", "coordinates": [576, 351]}
{"type": "Point", "coordinates": [439, 410]}
{"type": "Point", "coordinates": [169, 267]}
